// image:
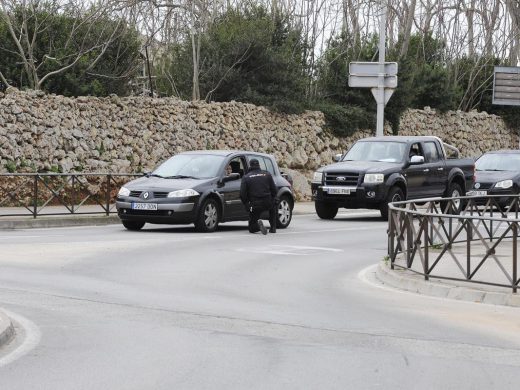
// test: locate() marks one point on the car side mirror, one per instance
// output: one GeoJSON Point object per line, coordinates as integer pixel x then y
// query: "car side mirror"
{"type": "Point", "coordinates": [337, 157]}
{"type": "Point", "coordinates": [231, 177]}
{"type": "Point", "coordinates": [416, 160]}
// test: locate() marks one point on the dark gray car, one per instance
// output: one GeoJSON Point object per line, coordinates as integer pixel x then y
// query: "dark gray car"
{"type": "Point", "coordinates": [193, 187]}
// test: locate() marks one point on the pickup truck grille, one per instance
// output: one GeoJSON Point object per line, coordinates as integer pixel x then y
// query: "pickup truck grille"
{"type": "Point", "coordinates": [342, 179]}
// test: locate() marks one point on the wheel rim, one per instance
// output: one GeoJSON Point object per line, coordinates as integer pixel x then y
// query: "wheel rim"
{"type": "Point", "coordinates": [284, 212]}
{"type": "Point", "coordinates": [210, 215]}
{"type": "Point", "coordinates": [396, 198]}
{"type": "Point", "coordinates": [455, 202]}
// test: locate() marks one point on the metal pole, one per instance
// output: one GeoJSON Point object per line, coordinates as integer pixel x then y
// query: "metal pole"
{"type": "Point", "coordinates": [381, 87]}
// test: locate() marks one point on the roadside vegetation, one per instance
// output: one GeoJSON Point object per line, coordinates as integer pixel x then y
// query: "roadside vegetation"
{"type": "Point", "coordinates": [288, 55]}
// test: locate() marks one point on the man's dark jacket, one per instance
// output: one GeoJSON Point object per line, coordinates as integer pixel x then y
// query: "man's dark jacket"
{"type": "Point", "coordinates": [257, 185]}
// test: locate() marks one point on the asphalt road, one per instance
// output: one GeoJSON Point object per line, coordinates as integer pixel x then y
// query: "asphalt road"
{"type": "Point", "coordinates": [168, 308]}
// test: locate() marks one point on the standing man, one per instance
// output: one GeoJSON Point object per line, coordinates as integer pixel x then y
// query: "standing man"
{"type": "Point", "coordinates": [258, 193]}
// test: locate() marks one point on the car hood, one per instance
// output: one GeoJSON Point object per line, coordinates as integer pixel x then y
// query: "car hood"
{"type": "Point", "coordinates": [153, 183]}
{"type": "Point", "coordinates": [495, 176]}
{"type": "Point", "coordinates": [361, 167]}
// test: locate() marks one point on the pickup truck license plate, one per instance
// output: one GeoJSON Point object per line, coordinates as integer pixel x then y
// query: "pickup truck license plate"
{"type": "Point", "coordinates": [338, 191]}
{"type": "Point", "coordinates": [144, 206]}
{"type": "Point", "coordinates": [476, 193]}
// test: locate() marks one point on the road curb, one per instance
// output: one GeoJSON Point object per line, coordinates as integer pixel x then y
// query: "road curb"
{"type": "Point", "coordinates": [48, 222]}
{"type": "Point", "coordinates": [408, 281]}
{"type": "Point", "coordinates": [6, 329]}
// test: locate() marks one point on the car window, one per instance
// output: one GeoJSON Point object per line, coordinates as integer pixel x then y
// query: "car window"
{"type": "Point", "coordinates": [430, 152]}
{"type": "Point", "coordinates": [269, 165]}
{"type": "Point", "coordinates": [376, 151]}
{"type": "Point", "coordinates": [498, 162]}
{"type": "Point", "coordinates": [193, 165]}
{"type": "Point", "coordinates": [237, 165]}
{"type": "Point", "coordinates": [261, 161]}
{"type": "Point", "coordinates": [416, 150]}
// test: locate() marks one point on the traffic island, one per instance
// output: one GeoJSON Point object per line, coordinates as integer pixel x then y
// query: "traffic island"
{"type": "Point", "coordinates": [6, 329]}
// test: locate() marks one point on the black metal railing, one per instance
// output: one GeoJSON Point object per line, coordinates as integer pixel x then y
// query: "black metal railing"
{"type": "Point", "coordinates": [479, 245]}
{"type": "Point", "coordinates": [38, 194]}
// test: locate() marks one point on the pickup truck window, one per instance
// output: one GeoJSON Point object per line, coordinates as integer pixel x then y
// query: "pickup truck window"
{"type": "Point", "coordinates": [376, 151]}
{"type": "Point", "coordinates": [430, 152]}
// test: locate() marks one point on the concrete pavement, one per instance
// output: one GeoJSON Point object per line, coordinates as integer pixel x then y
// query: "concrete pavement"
{"type": "Point", "coordinates": [6, 329]}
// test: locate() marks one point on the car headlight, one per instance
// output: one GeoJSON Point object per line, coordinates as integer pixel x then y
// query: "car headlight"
{"type": "Point", "coordinates": [182, 193]}
{"type": "Point", "coordinates": [317, 177]}
{"type": "Point", "coordinates": [374, 178]}
{"type": "Point", "coordinates": [123, 192]}
{"type": "Point", "coordinates": [504, 184]}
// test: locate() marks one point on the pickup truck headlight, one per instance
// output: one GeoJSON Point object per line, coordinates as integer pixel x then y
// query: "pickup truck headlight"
{"type": "Point", "coordinates": [123, 192]}
{"type": "Point", "coordinates": [505, 184]}
{"type": "Point", "coordinates": [318, 177]}
{"type": "Point", "coordinates": [182, 193]}
{"type": "Point", "coordinates": [372, 178]}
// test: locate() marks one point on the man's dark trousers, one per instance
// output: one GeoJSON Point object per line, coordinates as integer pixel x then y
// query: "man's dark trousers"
{"type": "Point", "coordinates": [258, 206]}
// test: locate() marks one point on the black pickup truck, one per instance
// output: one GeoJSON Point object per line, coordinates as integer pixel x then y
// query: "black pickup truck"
{"type": "Point", "coordinates": [380, 170]}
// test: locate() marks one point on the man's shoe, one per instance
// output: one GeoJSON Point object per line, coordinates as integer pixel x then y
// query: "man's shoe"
{"type": "Point", "coordinates": [272, 230]}
{"type": "Point", "coordinates": [262, 228]}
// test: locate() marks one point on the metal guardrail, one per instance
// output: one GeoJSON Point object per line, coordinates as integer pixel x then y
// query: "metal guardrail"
{"type": "Point", "coordinates": [33, 194]}
{"type": "Point", "coordinates": [479, 245]}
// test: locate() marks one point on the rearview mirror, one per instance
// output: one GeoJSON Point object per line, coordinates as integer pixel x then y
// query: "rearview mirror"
{"type": "Point", "coordinates": [337, 157]}
{"type": "Point", "coordinates": [416, 160]}
{"type": "Point", "coordinates": [231, 177]}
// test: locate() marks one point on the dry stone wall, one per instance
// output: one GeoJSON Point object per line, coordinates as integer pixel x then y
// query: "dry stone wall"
{"type": "Point", "coordinates": [41, 132]}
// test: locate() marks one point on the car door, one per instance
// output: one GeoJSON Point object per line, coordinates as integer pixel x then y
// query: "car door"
{"type": "Point", "coordinates": [416, 175]}
{"type": "Point", "coordinates": [438, 175]}
{"type": "Point", "coordinates": [233, 207]}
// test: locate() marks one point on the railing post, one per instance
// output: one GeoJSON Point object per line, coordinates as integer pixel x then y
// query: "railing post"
{"type": "Point", "coordinates": [73, 196]}
{"type": "Point", "coordinates": [35, 196]}
{"type": "Point", "coordinates": [409, 238]}
{"type": "Point", "coordinates": [426, 245]}
{"type": "Point", "coordinates": [108, 195]}
{"type": "Point", "coordinates": [469, 235]}
{"type": "Point", "coordinates": [515, 256]}
{"type": "Point", "coordinates": [391, 237]}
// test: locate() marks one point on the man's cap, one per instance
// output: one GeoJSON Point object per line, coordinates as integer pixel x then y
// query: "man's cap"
{"type": "Point", "coordinates": [254, 163]}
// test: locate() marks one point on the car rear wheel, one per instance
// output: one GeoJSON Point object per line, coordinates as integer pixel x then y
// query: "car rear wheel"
{"type": "Point", "coordinates": [326, 210]}
{"type": "Point", "coordinates": [284, 215]}
{"type": "Point", "coordinates": [394, 195]}
{"type": "Point", "coordinates": [453, 206]}
{"type": "Point", "coordinates": [208, 218]}
{"type": "Point", "coordinates": [133, 225]}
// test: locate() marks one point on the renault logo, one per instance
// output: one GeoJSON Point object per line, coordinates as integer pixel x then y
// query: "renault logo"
{"type": "Point", "coordinates": [341, 178]}
{"type": "Point", "coordinates": [477, 185]}
{"type": "Point", "coordinates": [146, 195]}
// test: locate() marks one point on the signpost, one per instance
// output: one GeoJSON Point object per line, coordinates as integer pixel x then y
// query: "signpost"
{"type": "Point", "coordinates": [380, 76]}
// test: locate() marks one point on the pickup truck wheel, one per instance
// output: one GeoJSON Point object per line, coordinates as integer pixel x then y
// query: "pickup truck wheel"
{"type": "Point", "coordinates": [455, 206]}
{"type": "Point", "coordinates": [133, 225]}
{"type": "Point", "coordinates": [284, 213]}
{"type": "Point", "coordinates": [394, 195]}
{"type": "Point", "coordinates": [326, 210]}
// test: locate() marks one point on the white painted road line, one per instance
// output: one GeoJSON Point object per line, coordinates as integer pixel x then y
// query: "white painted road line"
{"type": "Point", "coordinates": [32, 337]}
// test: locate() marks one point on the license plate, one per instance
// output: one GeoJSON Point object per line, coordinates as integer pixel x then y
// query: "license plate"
{"type": "Point", "coordinates": [144, 206]}
{"type": "Point", "coordinates": [338, 191]}
{"type": "Point", "coordinates": [476, 193]}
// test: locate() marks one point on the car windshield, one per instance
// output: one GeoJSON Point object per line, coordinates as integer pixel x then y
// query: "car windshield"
{"type": "Point", "coordinates": [376, 151]}
{"type": "Point", "coordinates": [197, 166]}
{"type": "Point", "coordinates": [498, 162]}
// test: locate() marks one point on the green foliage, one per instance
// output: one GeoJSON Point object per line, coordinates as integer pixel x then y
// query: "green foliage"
{"type": "Point", "coordinates": [344, 120]}
{"type": "Point", "coordinates": [55, 47]}
{"type": "Point", "coordinates": [10, 166]}
{"type": "Point", "coordinates": [249, 56]}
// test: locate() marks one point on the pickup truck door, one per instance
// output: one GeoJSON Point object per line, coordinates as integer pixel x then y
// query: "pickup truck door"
{"type": "Point", "coordinates": [418, 176]}
{"type": "Point", "coordinates": [434, 159]}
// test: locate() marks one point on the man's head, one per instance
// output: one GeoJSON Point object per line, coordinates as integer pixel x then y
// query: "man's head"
{"type": "Point", "coordinates": [254, 164]}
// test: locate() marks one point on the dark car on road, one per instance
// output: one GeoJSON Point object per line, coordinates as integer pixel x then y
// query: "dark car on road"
{"type": "Point", "coordinates": [497, 173]}
{"type": "Point", "coordinates": [194, 187]}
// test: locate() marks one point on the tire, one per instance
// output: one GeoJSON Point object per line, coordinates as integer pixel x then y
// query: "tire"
{"type": "Point", "coordinates": [325, 210]}
{"type": "Point", "coordinates": [133, 225]}
{"type": "Point", "coordinates": [454, 190]}
{"type": "Point", "coordinates": [394, 195]}
{"type": "Point", "coordinates": [208, 217]}
{"type": "Point", "coordinates": [284, 213]}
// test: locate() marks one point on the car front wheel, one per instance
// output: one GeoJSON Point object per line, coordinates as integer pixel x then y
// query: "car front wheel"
{"type": "Point", "coordinates": [325, 210]}
{"type": "Point", "coordinates": [284, 213]}
{"type": "Point", "coordinates": [133, 225]}
{"type": "Point", "coordinates": [208, 217]}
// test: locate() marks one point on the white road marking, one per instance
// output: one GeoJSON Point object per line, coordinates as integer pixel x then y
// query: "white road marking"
{"type": "Point", "coordinates": [291, 250]}
{"type": "Point", "coordinates": [32, 338]}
